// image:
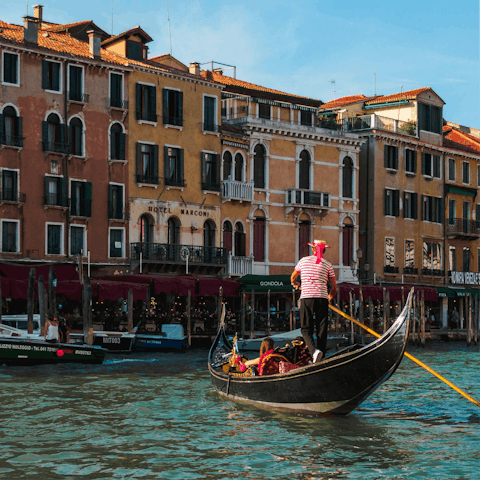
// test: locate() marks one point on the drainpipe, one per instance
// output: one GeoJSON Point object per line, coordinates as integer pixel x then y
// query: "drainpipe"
{"type": "Point", "coordinates": [65, 112]}
{"type": "Point", "coordinates": [445, 209]}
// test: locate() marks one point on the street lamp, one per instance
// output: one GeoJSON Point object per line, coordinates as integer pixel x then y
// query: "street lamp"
{"type": "Point", "coordinates": [358, 270]}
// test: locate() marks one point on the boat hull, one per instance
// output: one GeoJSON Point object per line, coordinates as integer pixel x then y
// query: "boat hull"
{"type": "Point", "coordinates": [31, 352]}
{"type": "Point", "coordinates": [335, 386]}
{"type": "Point", "coordinates": [113, 342]}
{"type": "Point", "coordinates": [157, 342]}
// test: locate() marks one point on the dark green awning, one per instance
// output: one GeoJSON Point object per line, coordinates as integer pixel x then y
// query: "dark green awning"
{"type": "Point", "coordinates": [446, 292]}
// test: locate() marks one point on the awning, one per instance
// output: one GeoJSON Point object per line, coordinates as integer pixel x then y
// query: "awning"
{"type": "Point", "coordinates": [446, 292]}
{"type": "Point", "coordinates": [264, 283]}
{"type": "Point", "coordinates": [464, 291]}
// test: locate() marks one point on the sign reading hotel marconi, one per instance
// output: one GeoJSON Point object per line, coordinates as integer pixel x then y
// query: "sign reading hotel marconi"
{"type": "Point", "coordinates": [465, 278]}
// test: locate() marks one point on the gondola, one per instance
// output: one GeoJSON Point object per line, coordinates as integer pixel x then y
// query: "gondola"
{"type": "Point", "coordinates": [335, 386]}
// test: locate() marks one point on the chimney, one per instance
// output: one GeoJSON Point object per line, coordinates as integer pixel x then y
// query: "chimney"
{"type": "Point", "coordinates": [95, 43]}
{"type": "Point", "coordinates": [38, 12]}
{"type": "Point", "coordinates": [194, 68]}
{"type": "Point", "coordinates": [30, 29]}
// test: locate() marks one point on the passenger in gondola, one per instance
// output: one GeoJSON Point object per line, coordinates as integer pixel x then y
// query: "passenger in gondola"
{"type": "Point", "coordinates": [316, 274]}
{"type": "Point", "coordinates": [266, 348]}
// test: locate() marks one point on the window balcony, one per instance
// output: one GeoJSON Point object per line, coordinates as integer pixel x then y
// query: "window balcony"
{"type": "Point", "coordinates": [296, 197]}
{"type": "Point", "coordinates": [78, 97]}
{"type": "Point", "coordinates": [146, 116]}
{"type": "Point", "coordinates": [235, 190]}
{"type": "Point", "coordinates": [211, 127]}
{"type": "Point", "coordinates": [175, 182]}
{"type": "Point", "coordinates": [179, 254]}
{"type": "Point", "coordinates": [373, 121]}
{"type": "Point", "coordinates": [175, 121]}
{"type": "Point", "coordinates": [55, 147]}
{"type": "Point", "coordinates": [390, 269]}
{"type": "Point", "coordinates": [410, 271]}
{"type": "Point", "coordinates": [430, 272]}
{"type": "Point", "coordinates": [463, 228]}
{"type": "Point", "coordinates": [147, 179]}
{"type": "Point", "coordinates": [239, 266]}
{"type": "Point", "coordinates": [11, 141]}
{"type": "Point", "coordinates": [55, 200]}
{"type": "Point", "coordinates": [210, 186]}
{"type": "Point", "coordinates": [113, 102]}
{"type": "Point", "coordinates": [10, 195]}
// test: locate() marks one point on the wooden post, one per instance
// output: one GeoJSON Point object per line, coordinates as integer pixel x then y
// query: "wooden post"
{"type": "Point", "coordinates": [87, 312]}
{"type": "Point", "coordinates": [475, 323]}
{"type": "Point", "coordinates": [370, 306]}
{"type": "Point", "coordinates": [360, 306]}
{"type": "Point", "coordinates": [337, 315]}
{"type": "Point", "coordinates": [130, 310]}
{"type": "Point", "coordinates": [384, 329]}
{"type": "Point", "coordinates": [189, 318]}
{"type": "Point", "coordinates": [52, 297]}
{"type": "Point", "coordinates": [415, 313]}
{"type": "Point", "coordinates": [252, 315]}
{"type": "Point", "coordinates": [243, 315]}
{"type": "Point", "coordinates": [422, 320]}
{"type": "Point", "coordinates": [387, 311]}
{"type": "Point", "coordinates": [352, 331]}
{"type": "Point", "coordinates": [268, 313]}
{"type": "Point", "coordinates": [469, 320]}
{"type": "Point", "coordinates": [1, 301]}
{"type": "Point", "coordinates": [42, 306]}
{"type": "Point", "coordinates": [292, 312]}
{"type": "Point", "coordinates": [220, 305]}
{"type": "Point", "coordinates": [403, 298]}
{"type": "Point", "coordinates": [30, 298]}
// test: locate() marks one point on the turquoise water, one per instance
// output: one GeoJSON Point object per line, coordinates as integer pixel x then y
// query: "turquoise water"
{"type": "Point", "coordinates": [148, 416]}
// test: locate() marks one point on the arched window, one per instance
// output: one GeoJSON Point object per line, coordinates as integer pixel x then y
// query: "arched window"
{"type": "Point", "coordinates": [239, 240]}
{"type": "Point", "coordinates": [238, 167]}
{"type": "Point", "coordinates": [227, 165]}
{"type": "Point", "coordinates": [304, 170]}
{"type": "Point", "coordinates": [173, 249]}
{"type": "Point", "coordinates": [259, 167]}
{"type": "Point", "coordinates": [209, 240]}
{"type": "Point", "coordinates": [145, 228]}
{"type": "Point", "coordinates": [303, 238]}
{"type": "Point", "coordinates": [227, 235]}
{"type": "Point", "coordinates": [347, 243]}
{"type": "Point", "coordinates": [347, 173]}
{"type": "Point", "coordinates": [259, 236]}
{"type": "Point", "coordinates": [10, 128]}
{"type": "Point", "coordinates": [53, 135]}
{"type": "Point", "coordinates": [117, 142]}
{"type": "Point", "coordinates": [76, 137]}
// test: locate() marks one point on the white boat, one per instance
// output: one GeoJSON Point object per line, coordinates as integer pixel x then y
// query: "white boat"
{"type": "Point", "coordinates": [172, 337]}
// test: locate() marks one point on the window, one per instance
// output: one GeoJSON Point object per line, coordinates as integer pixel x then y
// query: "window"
{"type": "Point", "coordinates": [51, 75]}
{"type": "Point", "coordinates": [210, 172]}
{"type": "Point", "coordinates": [431, 165]}
{"type": "Point", "coordinates": [347, 241]}
{"type": "Point", "coordinates": [76, 137]}
{"type": "Point", "coordinates": [209, 241]}
{"type": "Point", "coordinates": [410, 201]}
{"type": "Point", "coordinates": [259, 167]}
{"type": "Point", "coordinates": [227, 165]}
{"type": "Point", "coordinates": [172, 107]}
{"type": "Point", "coordinates": [432, 257]}
{"type": "Point", "coordinates": [115, 201]}
{"type": "Point", "coordinates": [477, 214]}
{"type": "Point", "coordinates": [466, 172]}
{"type": "Point", "coordinates": [452, 258]}
{"type": "Point", "coordinates": [430, 118]}
{"type": "Point", "coordinates": [239, 167]}
{"type": "Point", "coordinates": [239, 240]}
{"type": "Point", "coordinates": [146, 102]}
{"type": "Point", "coordinates": [10, 185]}
{"type": "Point", "coordinates": [53, 135]}
{"type": "Point", "coordinates": [11, 130]}
{"type": "Point", "coordinates": [116, 90]}
{"type": "Point", "coordinates": [306, 118]}
{"type": "Point", "coordinates": [264, 111]}
{"type": "Point", "coordinates": [466, 259]}
{"type": "Point", "coordinates": [75, 89]}
{"type": "Point", "coordinates": [304, 170]}
{"type": "Point", "coordinates": [147, 163]}
{"type": "Point", "coordinates": [391, 202]}
{"type": "Point", "coordinates": [227, 235]}
{"type": "Point", "coordinates": [134, 50]}
{"type": "Point", "coordinates": [409, 255]}
{"type": "Point", "coordinates": [347, 178]}
{"type": "Point", "coordinates": [54, 239]}
{"type": "Point", "coordinates": [259, 239]}
{"type": "Point", "coordinates": [209, 114]}
{"type": "Point", "coordinates": [11, 69]}
{"type": "Point", "coordinates": [174, 167]}
{"type": "Point", "coordinates": [117, 243]}
{"type": "Point", "coordinates": [451, 169]}
{"type": "Point", "coordinates": [77, 240]}
{"type": "Point", "coordinates": [432, 209]}
{"type": "Point", "coordinates": [303, 238]}
{"type": "Point", "coordinates": [173, 225]}
{"type": "Point", "coordinates": [391, 157]}
{"type": "Point", "coordinates": [410, 161]}
{"type": "Point", "coordinates": [117, 142]}
{"type": "Point", "coordinates": [145, 232]}
{"type": "Point", "coordinates": [452, 211]}
{"type": "Point", "coordinates": [81, 199]}
{"type": "Point", "coordinates": [390, 255]}
{"type": "Point", "coordinates": [10, 240]}
{"type": "Point", "coordinates": [55, 191]}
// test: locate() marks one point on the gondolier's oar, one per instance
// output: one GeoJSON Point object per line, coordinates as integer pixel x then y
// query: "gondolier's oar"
{"type": "Point", "coordinates": [411, 357]}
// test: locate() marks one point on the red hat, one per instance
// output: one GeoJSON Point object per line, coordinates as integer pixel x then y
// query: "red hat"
{"type": "Point", "coordinates": [319, 246]}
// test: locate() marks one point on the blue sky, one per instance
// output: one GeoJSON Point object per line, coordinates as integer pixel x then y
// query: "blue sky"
{"type": "Point", "coordinates": [300, 46]}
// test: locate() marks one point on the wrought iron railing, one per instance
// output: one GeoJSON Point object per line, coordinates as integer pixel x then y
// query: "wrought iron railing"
{"type": "Point", "coordinates": [147, 116]}
{"type": "Point", "coordinates": [113, 102]}
{"type": "Point", "coordinates": [432, 272]}
{"type": "Point", "coordinates": [55, 147]}
{"type": "Point", "coordinates": [11, 195]}
{"type": "Point", "coordinates": [149, 179]}
{"type": "Point", "coordinates": [211, 186]}
{"type": "Point", "coordinates": [54, 199]}
{"type": "Point", "coordinates": [78, 97]}
{"type": "Point", "coordinates": [410, 271]}
{"type": "Point", "coordinates": [390, 269]}
{"type": "Point", "coordinates": [235, 190]}
{"type": "Point", "coordinates": [11, 141]}
{"type": "Point", "coordinates": [164, 252]}
{"type": "Point", "coordinates": [177, 121]}
{"type": "Point", "coordinates": [296, 196]}
{"type": "Point", "coordinates": [210, 127]}
{"type": "Point", "coordinates": [175, 182]}
{"type": "Point", "coordinates": [462, 226]}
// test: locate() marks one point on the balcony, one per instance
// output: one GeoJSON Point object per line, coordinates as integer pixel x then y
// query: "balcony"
{"type": "Point", "coordinates": [147, 179]}
{"type": "Point", "coordinates": [11, 141]}
{"type": "Point", "coordinates": [430, 272]}
{"type": "Point", "coordinates": [146, 116]}
{"type": "Point", "coordinates": [211, 127]}
{"type": "Point", "coordinates": [210, 187]}
{"type": "Point", "coordinates": [390, 269]}
{"type": "Point", "coordinates": [235, 190]}
{"type": "Point", "coordinates": [55, 200]}
{"type": "Point", "coordinates": [410, 271]}
{"type": "Point", "coordinates": [373, 121]}
{"type": "Point", "coordinates": [10, 195]}
{"type": "Point", "coordinates": [298, 198]}
{"type": "Point", "coordinates": [267, 122]}
{"type": "Point", "coordinates": [239, 266]}
{"type": "Point", "coordinates": [117, 103]}
{"type": "Point", "coordinates": [463, 228]}
{"type": "Point", "coordinates": [175, 121]}
{"type": "Point", "coordinates": [175, 182]}
{"type": "Point", "coordinates": [55, 147]}
{"type": "Point", "coordinates": [78, 97]}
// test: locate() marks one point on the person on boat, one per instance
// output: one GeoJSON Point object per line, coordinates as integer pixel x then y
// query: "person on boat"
{"type": "Point", "coordinates": [266, 347]}
{"type": "Point", "coordinates": [316, 274]}
{"type": "Point", "coordinates": [64, 333]}
{"type": "Point", "coordinates": [51, 330]}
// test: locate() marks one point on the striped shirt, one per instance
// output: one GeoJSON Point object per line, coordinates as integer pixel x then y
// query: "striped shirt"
{"type": "Point", "coordinates": [314, 277]}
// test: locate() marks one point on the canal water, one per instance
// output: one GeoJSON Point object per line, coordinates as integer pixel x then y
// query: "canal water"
{"type": "Point", "coordinates": [148, 416]}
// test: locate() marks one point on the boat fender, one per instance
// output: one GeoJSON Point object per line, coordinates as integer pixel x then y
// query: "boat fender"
{"type": "Point", "coordinates": [60, 353]}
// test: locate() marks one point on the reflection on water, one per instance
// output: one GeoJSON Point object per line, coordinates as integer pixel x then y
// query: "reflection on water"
{"type": "Point", "coordinates": [156, 416]}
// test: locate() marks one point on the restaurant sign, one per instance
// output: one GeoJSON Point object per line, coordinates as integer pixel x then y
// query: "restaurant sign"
{"type": "Point", "coordinates": [465, 278]}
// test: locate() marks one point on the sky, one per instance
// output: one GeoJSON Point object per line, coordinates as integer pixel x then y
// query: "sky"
{"type": "Point", "coordinates": [322, 49]}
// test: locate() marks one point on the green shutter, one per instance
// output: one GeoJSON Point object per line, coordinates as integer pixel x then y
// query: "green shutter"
{"type": "Point", "coordinates": [155, 164]}
{"type": "Point", "coordinates": [47, 182]}
{"type": "Point", "coordinates": [44, 135]}
{"type": "Point", "coordinates": [385, 156]}
{"type": "Point", "coordinates": [62, 192]}
{"type": "Point", "coordinates": [423, 163]}
{"type": "Point", "coordinates": [110, 201]}
{"type": "Point", "coordinates": [119, 206]}
{"type": "Point", "coordinates": [422, 206]}
{"type": "Point", "coordinates": [139, 160]}
{"type": "Point", "coordinates": [19, 129]}
{"type": "Point", "coordinates": [396, 203]}
{"type": "Point", "coordinates": [56, 77]}
{"type": "Point", "coordinates": [153, 104]}
{"type": "Point", "coordinates": [45, 84]}
{"type": "Point", "coordinates": [414, 200]}
{"type": "Point", "coordinates": [180, 109]}
{"type": "Point", "coordinates": [217, 169]}
{"type": "Point", "coordinates": [414, 161]}
{"type": "Point", "coordinates": [121, 153]}
{"type": "Point", "coordinates": [166, 166]}
{"type": "Point", "coordinates": [385, 201]}
{"type": "Point", "coordinates": [165, 106]}
{"type": "Point", "coordinates": [87, 189]}
{"type": "Point", "coordinates": [138, 101]}
{"type": "Point", "coordinates": [202, 167]}
{"type": "Point", "coordinates": [62, 128]}
{"type": "Point", "coordinates": [2, 130]}
{"type": "Point", "coordinates": [180, 168]}
{"type": "Point", "coordinates": [395, 158]}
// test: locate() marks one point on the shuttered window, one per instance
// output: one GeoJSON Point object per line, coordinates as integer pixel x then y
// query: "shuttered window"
{"type": "Point", "coordinates": [51, 75]}
{"type": "Point", "coordinates": [304, 170]}
{"type": "Point", "coordinates": [259, 239]}
{"type": "Point", "coordinates": [146, 102]}
{"type": "Point", "coordinates": [391, 202]}
{"type": "Point", "coordinates": [227, 236]}
{"type": "Point", "coordinates": [259, 167]}
{"type": "Point", "coordinates": [172, 107]}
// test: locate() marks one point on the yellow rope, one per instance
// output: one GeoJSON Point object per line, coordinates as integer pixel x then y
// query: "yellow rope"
{"type": "Point", "coordinates": [411, 357]}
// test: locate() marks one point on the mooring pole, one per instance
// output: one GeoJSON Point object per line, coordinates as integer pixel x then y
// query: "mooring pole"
{"type": "Point", "coordinates": [384, 310]}
{"type": "Point", "coordinates": [268, 313]}
{"type": "Point", "coordinates": [469, 320]}
{"type": "Point", "coordinates": [189, 318]}
{"type": "Point", "coordinates": [252, 315]}
{"type": "Point", "coordinates": [42, 307]}
{"type": "Point", "coordinates": [242, 320]}
{"type": "Point", "coordinates": [52, 297]}
{"type": "Point", "coordinates": [130, 310]}
{"type": "Point", "coordinates": [87, 311]}
{"type": "Point", "coordinates": [422, 320]}
{"type": "Point", "coordinates": [30, 298]}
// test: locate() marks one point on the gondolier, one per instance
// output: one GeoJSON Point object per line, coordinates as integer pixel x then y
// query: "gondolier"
{"type": "Point", "coordinates": [316, 273]}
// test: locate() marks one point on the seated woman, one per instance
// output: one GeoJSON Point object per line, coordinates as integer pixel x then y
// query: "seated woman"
{"type": "Point", "coordinates": [266, 348]}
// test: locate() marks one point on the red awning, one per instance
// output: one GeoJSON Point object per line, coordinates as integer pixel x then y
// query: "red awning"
{"type": "Point", "coordinates": [20, 272]}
